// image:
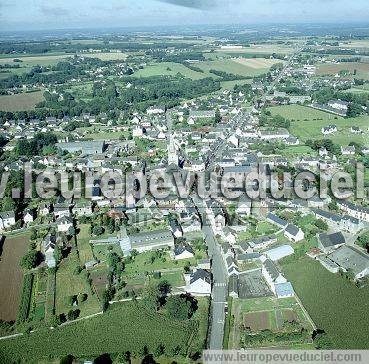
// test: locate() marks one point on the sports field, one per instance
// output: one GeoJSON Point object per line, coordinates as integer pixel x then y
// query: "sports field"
{"type": "Point", "coordinates": [20, 102]}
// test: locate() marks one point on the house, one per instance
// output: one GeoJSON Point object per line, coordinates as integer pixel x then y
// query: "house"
{"type": "Point", "coordinates": [7, 220]}
{"type": "Point", "coordinates": [150, 240]}
{"type": "Point", "coordinates": [82, 208]}
{"type": "Point", "coordinates": [272, 274]}
{"type": "Point", "coordinates": [262, 242]}
{"type": "Point", "coordinates": [329, 242]}
{"type": "Point", "coordinates": [204, 264]}
{"type": "Point", "coordinates": [198, 283]}
{"type": "Point", "coordinates": [330, 129]}
{"type": "Point", "coordinates": [154, 110]}
{"type": "Point", "coordinates": [233, 286]}
{"type": "Point", "coordinates": [291, 140]}
{"type": "Point", "coordinates": [183, 252]}
{"type": "Point", "coordinates": [49, 245]}
{"type": "Point", "coordinates": [28, 216]}
{"type": "Point", "coordinates": [44, 209]}
{"type": "Point", "coordinates": [275, 220]}
{"type": "Point", "coordinates": [349, 150]}
{"type": "Point", "coordinates": [356, 130]}
{"type": "Point", "coordinates": [351, 259]}
{"type": "Point", "coordinates": [279, 252]}
{"type": "Point", "coordinates": [341, 106]}
{"type": "Point", "coordinates": [345, 223]}
{"type": "Point", "coordinates": [244, 206]}
{"type": "Point", "coordinates": [175, 228]}
{"type": "Point", "coordinates": [64, 223]}
{"type": "Point", "coordinates": [358, 212]}
{"type": "Point", "coordinates": [85, 147]}
{"type": "Point", "coordinates": [202, 114]}
{"type": "Point", "coordinates": [294, 233]}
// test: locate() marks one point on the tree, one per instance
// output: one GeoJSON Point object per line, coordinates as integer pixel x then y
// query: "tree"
{"type": "Point", "coordinates": [321, 340]}
{"type": "Point", "coordinates": [31, 259]}
{"type": "Point", "coordinates": [322, 225]}
{"type": "Point", "coordinates": [354, 110]}
{"type": "Point", "coordinates": [179, 308]}
{"type": "Point", "coordinates": [68, 359]}
{"type": "Point", "coordinates": [73, 314]}
{"type": "Point", "coordinates": [97, 230]}
{"type": "Point", "coordinates": [218, 117]}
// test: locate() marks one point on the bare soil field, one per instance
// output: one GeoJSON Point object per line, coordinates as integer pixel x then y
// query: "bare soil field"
{"type": "Point", "coordinates": [257, 63]}
{"type": "Point", "coordinates": [290, 315]}
{"type": "Point", "coordinates": [11, 276]}
{"type": "Point", "coordinates": [361, 68]}
{"type": "Point", "coordinates": [20, 102]}
{"type": "Point", "coordinates": [257, 321]}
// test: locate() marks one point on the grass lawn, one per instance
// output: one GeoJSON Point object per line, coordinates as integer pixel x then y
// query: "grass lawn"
{"type": "Point", "coordinates": [142, 263]}
{"type": "Point", "coordinates": [20, 102]}
{"type": "Point", "coordinates": [306, 123]}
{"type": "Point", "coordinates": [69, 284]}
{"type": "Point", "coordinates": [296, 151]}
{"type": "Point", "coordinates": [335, 304]}
{"type": "Point", "coordinates": [83, 241]}
{"type": "Point", "coordinates": [124, 327]}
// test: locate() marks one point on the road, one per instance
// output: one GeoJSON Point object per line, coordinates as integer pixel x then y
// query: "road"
{"type": "Point", "coordinates": [220, 280]}
{"type": "Point", "coordinates": [219, 270]}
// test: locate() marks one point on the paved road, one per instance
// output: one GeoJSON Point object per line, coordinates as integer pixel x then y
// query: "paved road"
{"type": "Point", "coordinates": [220, 281]}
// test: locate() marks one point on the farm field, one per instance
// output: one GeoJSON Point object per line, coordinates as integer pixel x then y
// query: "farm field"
{"type": "Point", "coordinates": [124, 327]}
{"type": "Point", "coordinates": [231, 66]}
{"type": "Point", "coordinates": [335, 304]}
{"type": "Point", "coordinates": [264, 313]}
{"type": "Point", "coordinates": [301, 116]}
{"type": "Point", "coordinates": [361, 68]}
{"type": "Point", "coordinates": [11, 275]}
{"type": "Point", "coordinates": [20, 102]}
{"type": "Point", "coordinates": [257, 63]}
{"type": "Point", "coordinates": [169, 69]}
{"type": "Point", "coordinates": [266, 48]}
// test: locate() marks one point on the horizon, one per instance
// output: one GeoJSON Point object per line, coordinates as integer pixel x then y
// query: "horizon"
{"type": "Point", "coordinates": [42, 16]}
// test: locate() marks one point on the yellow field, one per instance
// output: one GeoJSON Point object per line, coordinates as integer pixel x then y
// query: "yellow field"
{"type": "Point", "coordinates": [257, 63]}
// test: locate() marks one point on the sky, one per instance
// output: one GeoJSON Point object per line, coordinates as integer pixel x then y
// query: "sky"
{"type": "Point", "coordinates": [71, 14]}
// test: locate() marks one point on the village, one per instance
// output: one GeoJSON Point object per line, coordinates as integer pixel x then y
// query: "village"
{"type": "Point", "coordinates": [236, 260]}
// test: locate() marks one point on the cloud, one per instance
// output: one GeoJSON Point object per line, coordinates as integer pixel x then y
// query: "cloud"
{"type": "Point", "coordinates": [53, 11]}
{"type": "Point", "coordinates": [193, 4]}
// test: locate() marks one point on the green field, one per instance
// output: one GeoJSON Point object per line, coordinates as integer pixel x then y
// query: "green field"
{"type": "Point", "coordinates": [70, 283]}
{"type": "Point", "coordinates": [20, 102]}
{"type": "Point", "coordinates": [124, 327]}
{"type": "Point", "coordinates": [335, 304]}
{"type": "Point", "coordinates": [169, 69]}
{"type": "Point", "coordinates": [306, 123]}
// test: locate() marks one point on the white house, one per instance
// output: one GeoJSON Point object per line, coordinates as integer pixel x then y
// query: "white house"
{"type": "Point", "coordinates": [64, 223]}
{"type": "Point", "coordinates": [183, 252]}
{"type": "Point", "coordinates": [7, 220]}
{"type": "Point", "coordinates": [272, 274]}
{"type": "Point", "coordinates": [198, 283]}
{"type": "Point", "coordinates": [294, 233]}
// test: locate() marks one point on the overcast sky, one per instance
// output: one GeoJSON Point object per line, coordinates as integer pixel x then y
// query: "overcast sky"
{"type": "Point", "coordinates": [64, 14]}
